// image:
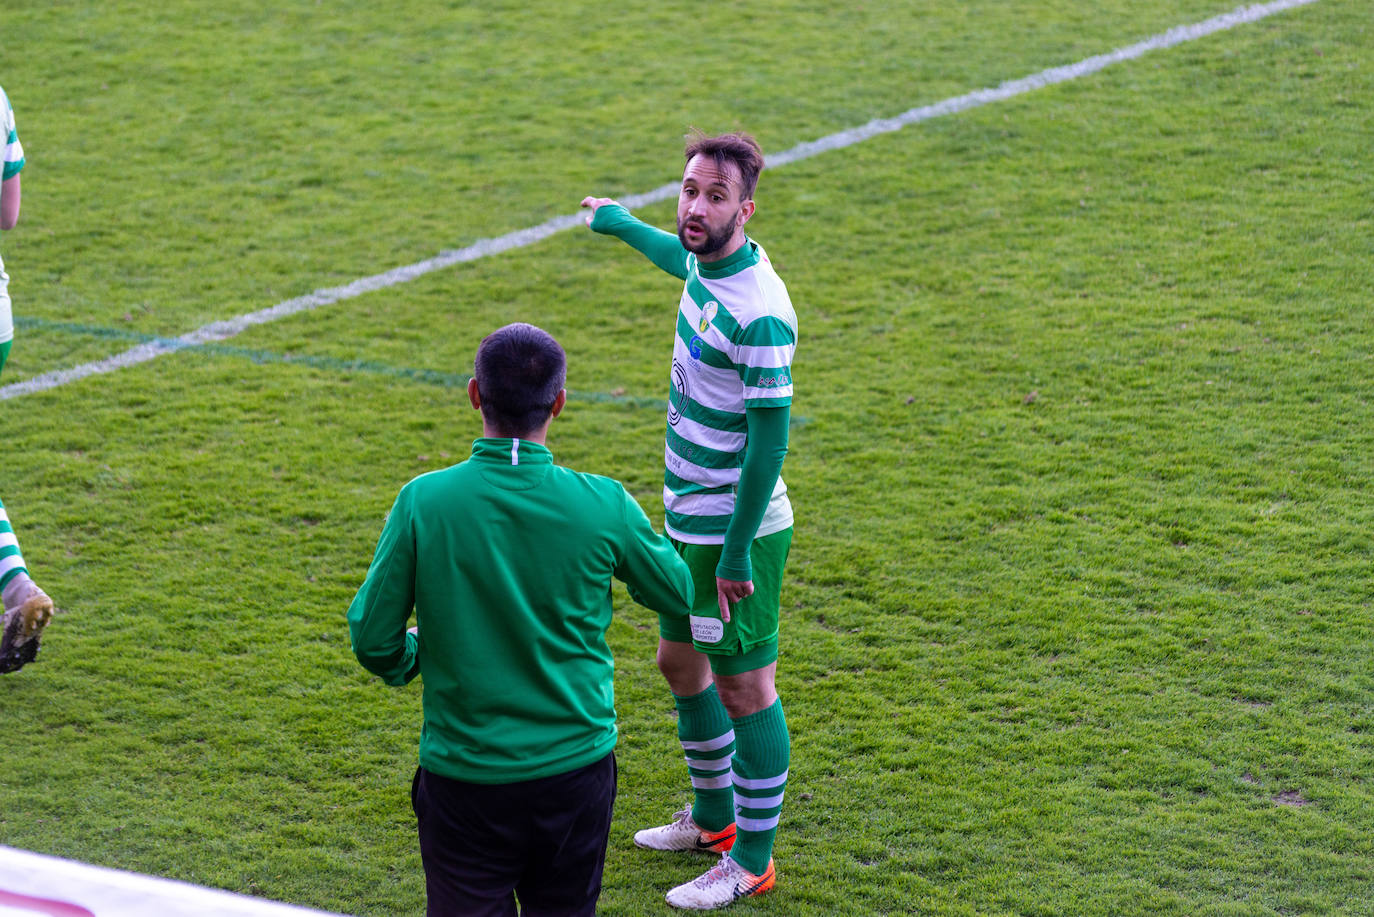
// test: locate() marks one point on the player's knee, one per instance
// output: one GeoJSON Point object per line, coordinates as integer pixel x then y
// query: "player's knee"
{"type": "Point", "coordinates": [686, 671]}
{"type": "Point", "coordinates": [741, 702]}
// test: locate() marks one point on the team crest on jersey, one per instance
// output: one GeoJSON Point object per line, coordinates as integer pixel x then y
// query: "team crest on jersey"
{"type": "Point", "coordinates": [708, 312]}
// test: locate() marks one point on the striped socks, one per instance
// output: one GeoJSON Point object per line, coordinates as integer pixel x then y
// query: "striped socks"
{"type": "Point", "coordinates": [708, 741]}
{"type": "Point", "coordinates": [11, 561]}
{"type": "Point", "coordinates": [762, 755]}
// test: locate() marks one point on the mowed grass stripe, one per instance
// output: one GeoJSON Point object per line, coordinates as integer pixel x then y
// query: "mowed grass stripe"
{"type": "Point", "coordinates": [1101, 652]}
{"type": "Point", "coordinates": [223, 330]}
{"type": "Point", "coordinates": [333, 364]}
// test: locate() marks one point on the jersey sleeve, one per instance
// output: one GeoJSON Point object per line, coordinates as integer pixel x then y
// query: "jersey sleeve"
{"type": "Point", "coordinates": [763, 454]}
{"type": "Point", "coordinates": [653, 573]}
{"type": "Point", "coordinates": [662, 248]}
{"type": "Point", "coordinates": [379, 613]}
{"type": "Point", "coordinates": [764, 360]}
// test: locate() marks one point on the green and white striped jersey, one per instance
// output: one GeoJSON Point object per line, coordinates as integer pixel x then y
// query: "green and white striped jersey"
{"type": "Point", "coordinates": [12, 152]}
{"type": "Point", "coordinates": [736, 337]}
{"type": "Point", "coordinates": [11, 161]}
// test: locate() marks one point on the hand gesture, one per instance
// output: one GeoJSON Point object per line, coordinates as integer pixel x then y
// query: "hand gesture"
{"type": "Point", "coordinates": [729, 591]}
{"type": "Point", "coordinates": [595, 203]}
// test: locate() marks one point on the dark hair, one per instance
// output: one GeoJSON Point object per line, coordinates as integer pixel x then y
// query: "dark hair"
{"type": "Point", "coordinates": [741, 149]}
{"type": "Point", "coordinates": [520, 369]}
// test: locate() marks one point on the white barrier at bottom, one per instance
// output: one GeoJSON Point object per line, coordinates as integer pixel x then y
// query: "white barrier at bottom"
{"type": "Point", "coordinates": [32, 884]}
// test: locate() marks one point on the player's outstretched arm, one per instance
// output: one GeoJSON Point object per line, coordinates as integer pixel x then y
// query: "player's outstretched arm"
{"type": "Point", "coordinates": [662, 248]}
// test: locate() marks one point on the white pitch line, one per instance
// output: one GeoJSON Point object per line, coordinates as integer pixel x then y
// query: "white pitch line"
{"type": "Point", "coordinates": [223, 330]}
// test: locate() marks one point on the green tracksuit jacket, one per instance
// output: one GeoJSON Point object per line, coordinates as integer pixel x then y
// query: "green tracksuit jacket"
{"type": "Point", "coordinates": [507, 560]}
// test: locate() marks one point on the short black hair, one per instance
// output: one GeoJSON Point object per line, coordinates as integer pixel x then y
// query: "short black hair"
{"type": "Point", "coordinates": [520, 369]}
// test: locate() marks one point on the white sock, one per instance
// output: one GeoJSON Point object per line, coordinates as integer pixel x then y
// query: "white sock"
{"type": "Point", "coordinates": [17, 589]}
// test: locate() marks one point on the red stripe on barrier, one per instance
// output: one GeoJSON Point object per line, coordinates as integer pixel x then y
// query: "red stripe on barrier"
{"type": "Point", "coordinates": [44, 905]}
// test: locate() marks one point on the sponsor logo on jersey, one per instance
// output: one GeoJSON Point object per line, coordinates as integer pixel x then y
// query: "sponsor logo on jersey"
{"type": "Point", "coordinates": [694, 347]}
{"type": "Point", "coordinates": [781, 378]}
{"type": "Point", "coordinates": [708, 312]}
{"type": "Point", "coordinates": [707, 630]}
{"type": "Point", "coordinates": [678, 397]}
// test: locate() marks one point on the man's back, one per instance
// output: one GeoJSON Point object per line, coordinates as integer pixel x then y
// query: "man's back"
{"type": "Point", "coordinates": [507, 560]}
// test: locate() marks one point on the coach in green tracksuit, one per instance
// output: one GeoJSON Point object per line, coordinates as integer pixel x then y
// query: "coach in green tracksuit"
{"type": "Point", "coordinates": [507, 560]}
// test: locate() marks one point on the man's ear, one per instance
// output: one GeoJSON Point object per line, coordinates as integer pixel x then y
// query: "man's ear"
{"type": "Point", "coordinates": [558, 402]}
{"type": "Point", "coordinates": [473, 394]}
{"type": "Point", "coordinates": [746, 210]}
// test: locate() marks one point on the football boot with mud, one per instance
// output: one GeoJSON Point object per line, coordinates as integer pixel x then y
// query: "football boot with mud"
{"type": "Point", "coordinates": [684, 834]}
{"type": "Point", "coordinates": [21, 627]}
{"type": "Point", "coordinates": [721, 885]}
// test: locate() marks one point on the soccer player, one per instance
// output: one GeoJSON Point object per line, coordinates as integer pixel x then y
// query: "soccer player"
{"type": "Point", "coordinates": [27, 608]}
{"type": "Point", "coordinates": [727, 513]}
{"type": "Point", "coordinates": [508, 560]}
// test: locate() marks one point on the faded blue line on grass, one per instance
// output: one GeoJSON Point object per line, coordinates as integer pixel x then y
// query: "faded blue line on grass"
{"type": "Point", "coordinates": [331, 364]}
{"type": "Point", "coordinates": [218, 331]}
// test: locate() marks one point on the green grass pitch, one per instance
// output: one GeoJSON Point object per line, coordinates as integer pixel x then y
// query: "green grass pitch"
{"type": "Point", "coordinates": [1078, 619]}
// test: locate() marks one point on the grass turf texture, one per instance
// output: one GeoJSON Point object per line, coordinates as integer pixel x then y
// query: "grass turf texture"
{"type": "Point", "coordinates": [1078, 619]}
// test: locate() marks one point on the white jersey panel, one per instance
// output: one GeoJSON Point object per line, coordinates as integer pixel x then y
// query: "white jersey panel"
{"type": "Point", "coordinates": [715, 377]}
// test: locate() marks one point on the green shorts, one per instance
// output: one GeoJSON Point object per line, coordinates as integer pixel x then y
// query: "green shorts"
{"type": "Point", "coordinates": [749, 640]}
